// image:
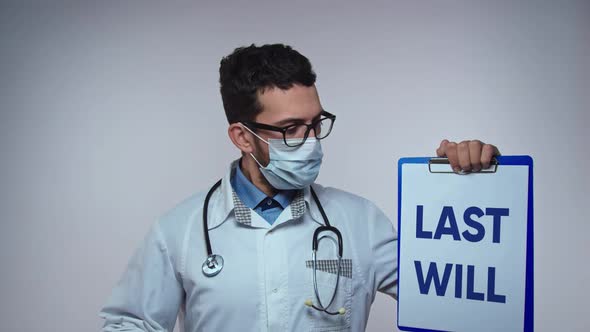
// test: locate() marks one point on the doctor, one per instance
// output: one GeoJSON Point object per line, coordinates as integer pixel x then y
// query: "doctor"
{"type": "Point", "coordinates": [238, 256]}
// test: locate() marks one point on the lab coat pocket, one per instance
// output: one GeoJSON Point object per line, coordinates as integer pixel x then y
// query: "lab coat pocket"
{"type": "Point", "coordinates": [326, 277]}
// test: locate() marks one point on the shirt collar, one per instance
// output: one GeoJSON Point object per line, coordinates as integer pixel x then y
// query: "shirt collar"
{"type": "Point", "coordinates": [225, 200]}
{"type": "Point", "coordinates": [251, 196]}
{"type": "Point", "coordinates": [248, 193]}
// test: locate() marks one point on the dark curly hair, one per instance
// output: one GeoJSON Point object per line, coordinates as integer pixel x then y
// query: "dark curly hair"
{"type": "Point", "coordinates": [249, 70]}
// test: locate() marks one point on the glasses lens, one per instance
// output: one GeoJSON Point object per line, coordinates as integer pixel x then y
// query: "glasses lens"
{"type": "Point", "coordinates": [295, 135]}
{"type": "Point", "coordinates": [323, 128]}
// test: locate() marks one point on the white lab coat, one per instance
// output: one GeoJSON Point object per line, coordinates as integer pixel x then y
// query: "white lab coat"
{"type": "Point", "coordinates": [267, 276]}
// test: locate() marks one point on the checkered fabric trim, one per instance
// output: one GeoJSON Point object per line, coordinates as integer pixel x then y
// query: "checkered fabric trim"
{"type": "Point", "coordinates": [331, 266]}
{"type": "Point", "coordinates": [298, 205]}
{"type": "Point", "coordinates": [244, 214]}
{"type": "Point", "coordinates": [241, 211]}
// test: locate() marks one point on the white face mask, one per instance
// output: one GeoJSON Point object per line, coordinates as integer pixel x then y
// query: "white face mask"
{"type": "Point", "coordinates": [291, 167]}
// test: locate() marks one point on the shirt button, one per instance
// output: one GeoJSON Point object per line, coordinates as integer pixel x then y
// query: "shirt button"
{"type": "Point", "coordinates": [269, 202]}
{"type": "Point", "coordinates": [275, 290]}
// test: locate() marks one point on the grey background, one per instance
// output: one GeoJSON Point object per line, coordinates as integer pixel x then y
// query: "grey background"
{"type": "Point", "coordinates": [110, 115]}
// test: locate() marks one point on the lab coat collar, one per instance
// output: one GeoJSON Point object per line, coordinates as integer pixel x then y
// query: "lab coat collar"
{"type": "Point", "coordinates": [221, 202]}
{"type": "Point", "coordinates": [224, 201]}
{"type": "Point", "coordinates": [312, 207]}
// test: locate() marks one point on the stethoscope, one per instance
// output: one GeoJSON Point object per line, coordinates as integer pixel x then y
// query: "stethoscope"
{"type": "Point", "coordinates": [213, 264]}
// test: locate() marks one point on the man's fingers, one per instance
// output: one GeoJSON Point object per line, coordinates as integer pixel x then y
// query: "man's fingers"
{"type": "Point", "coordinates": [469, 156]}
{"type": "Point", "coordinates": [451, 153]}
{"type": "Point", "coordinates": [441, 151]}
{"type": "Point", "coordinates": [463, 156]}
{"type": "Point", "coordinates": [488, 151]}
{"type": "Point", "coordinates": [475, 155]}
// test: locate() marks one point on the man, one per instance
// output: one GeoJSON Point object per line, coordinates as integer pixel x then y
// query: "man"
{"type": "Point", "coordinates": [261, 221]}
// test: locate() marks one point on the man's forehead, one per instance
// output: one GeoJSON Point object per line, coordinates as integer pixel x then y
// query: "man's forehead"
{"type": "Point", "coordinates": [299, 102]}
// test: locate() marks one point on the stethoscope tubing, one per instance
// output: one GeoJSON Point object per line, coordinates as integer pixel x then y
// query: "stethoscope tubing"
{"type": "Point", "coordinates": [205, 211]}
{"type": "Point", "coordinates": [326, 226]}
{"type": "Point", "coordinates": [214, 263]}
{"type": "Point", "coordinates": [320, 306]}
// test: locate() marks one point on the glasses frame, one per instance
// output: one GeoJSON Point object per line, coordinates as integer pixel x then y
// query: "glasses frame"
{"type": "Point", "coordinates": [326, 115]}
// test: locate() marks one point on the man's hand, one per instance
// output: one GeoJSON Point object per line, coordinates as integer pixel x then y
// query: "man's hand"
{"type": "Point", "coordinates": [469, 156]}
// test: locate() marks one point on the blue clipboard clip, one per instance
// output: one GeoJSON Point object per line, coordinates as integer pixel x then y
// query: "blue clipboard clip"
{"type": "Point", "coordinates": [441, 165]}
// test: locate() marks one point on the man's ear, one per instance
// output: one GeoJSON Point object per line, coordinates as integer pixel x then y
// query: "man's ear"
{"type": "Point", "coordinates": [239, 136]}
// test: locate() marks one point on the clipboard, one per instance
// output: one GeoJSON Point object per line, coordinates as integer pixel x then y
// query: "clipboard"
{"type": "Point", "coordinates": [465, 246]}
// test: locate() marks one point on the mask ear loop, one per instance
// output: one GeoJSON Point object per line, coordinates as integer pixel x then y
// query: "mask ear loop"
{"type": "Point", "coordinates": [253, 133]}
{"type": "Point", "coordinates": [260, 138]}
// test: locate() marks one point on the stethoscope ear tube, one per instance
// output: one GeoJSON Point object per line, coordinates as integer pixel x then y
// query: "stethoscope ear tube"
{"type": "Point", "coordinates": [314, 247]}
{"type": "Point", "coordinates": [316, 233]}
{"type": "Point", "coordinates": [310, 304]}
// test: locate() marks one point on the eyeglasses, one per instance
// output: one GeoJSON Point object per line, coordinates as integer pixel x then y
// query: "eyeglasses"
{"type": "Point", "coordinates": [293, 134]}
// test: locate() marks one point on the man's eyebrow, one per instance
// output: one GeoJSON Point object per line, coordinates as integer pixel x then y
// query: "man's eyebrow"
{"type": "Point", "coordinates": [289, 121]}
{"type": "Point", "coordinates": [295, 120]}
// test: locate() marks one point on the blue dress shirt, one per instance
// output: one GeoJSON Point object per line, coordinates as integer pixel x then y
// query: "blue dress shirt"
{"type": "Point", "coordinates": [267, 207]}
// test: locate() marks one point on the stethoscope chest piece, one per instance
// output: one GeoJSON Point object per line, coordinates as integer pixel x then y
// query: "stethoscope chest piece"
{"type": "Point", "coordinates": [212, 265]}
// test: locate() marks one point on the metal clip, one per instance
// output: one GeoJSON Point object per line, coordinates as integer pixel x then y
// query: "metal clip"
{"type": "Point", "coordinates": [441, 165]}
